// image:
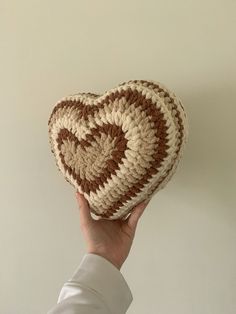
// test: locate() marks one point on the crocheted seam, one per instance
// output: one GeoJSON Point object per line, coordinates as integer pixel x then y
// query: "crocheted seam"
{"type": "Point", "coordinates": [86, 110]}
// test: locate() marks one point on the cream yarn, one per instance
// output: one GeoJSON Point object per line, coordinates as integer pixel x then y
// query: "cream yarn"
{"type": "Point", "coordinates": [121, 147]}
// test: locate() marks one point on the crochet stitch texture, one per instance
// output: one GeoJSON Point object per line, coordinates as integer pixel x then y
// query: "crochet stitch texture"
{"type": "Point", "coordinates": [121, 147]}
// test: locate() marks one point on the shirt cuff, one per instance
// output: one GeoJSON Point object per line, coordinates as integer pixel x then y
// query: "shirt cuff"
{"type": "Point", "coordinates": [100, 275]}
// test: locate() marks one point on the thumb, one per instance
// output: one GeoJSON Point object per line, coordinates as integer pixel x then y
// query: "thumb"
{"type": "Point", "coordinates": [85, 216]}
{"type": "Point", "coordinates": [136, 214]}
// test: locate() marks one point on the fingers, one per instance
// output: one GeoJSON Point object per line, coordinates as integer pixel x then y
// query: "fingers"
{"type": "Point", "coordinates": [136, 214]}
{"type": "Point", "coordinates": [85, 216]}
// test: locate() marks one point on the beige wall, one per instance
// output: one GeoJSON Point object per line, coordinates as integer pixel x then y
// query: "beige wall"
{"type": "Point", "coordinates": [183, 259]}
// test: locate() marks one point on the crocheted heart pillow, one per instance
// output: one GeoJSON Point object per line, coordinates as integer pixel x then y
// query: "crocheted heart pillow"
{"type": "Point", "coordinates": [119, 148]}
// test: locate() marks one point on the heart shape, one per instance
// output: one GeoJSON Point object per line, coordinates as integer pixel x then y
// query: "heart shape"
{"type": "Point", "coordinates": [121, 147]}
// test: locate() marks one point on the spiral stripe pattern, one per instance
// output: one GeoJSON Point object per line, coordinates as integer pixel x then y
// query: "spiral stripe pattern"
{"type": "Point", "coordinates": [119, 148]}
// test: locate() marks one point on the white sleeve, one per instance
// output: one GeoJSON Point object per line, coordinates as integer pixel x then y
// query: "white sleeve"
{"type": "Point", "coordinates": [97, 286]}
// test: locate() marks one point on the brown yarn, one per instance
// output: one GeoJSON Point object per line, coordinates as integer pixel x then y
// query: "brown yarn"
{"type": "Point", "coordinates": [87, 112]}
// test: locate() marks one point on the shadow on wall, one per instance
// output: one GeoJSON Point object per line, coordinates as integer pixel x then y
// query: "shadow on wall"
{"type": "Point", "coordinates": [210, 154]}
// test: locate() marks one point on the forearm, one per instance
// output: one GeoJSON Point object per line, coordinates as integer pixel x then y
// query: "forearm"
{"type": "Point", "coordinates": [97, 286]}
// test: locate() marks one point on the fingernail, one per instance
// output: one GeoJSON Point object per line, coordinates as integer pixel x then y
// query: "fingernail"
{"type": "Point", "coordinates": [143, 205]}
{"type": "Point", "coordinates": [78, 196]}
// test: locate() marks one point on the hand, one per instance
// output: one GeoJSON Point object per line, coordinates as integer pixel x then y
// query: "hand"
{"type": "Point", "coordinates": [111, 239]}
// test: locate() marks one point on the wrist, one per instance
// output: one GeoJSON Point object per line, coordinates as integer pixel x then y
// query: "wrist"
{"type": "Point", "coordinates": [107, 257]}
